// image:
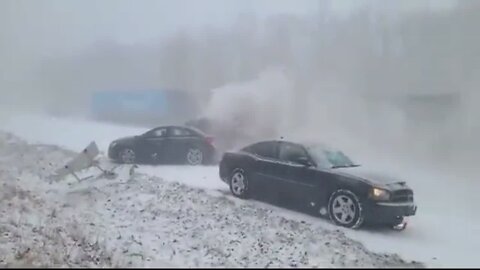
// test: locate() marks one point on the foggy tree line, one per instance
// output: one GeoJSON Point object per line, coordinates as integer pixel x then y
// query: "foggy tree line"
{"type": "Point", "coordinates": [368, 55]}
{"type": "Point", "coordinates": [435, 51]}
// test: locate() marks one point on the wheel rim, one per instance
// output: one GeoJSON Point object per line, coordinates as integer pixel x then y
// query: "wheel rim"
{"type": "Point", "coordinates": [128, 156]}
{"type": "Point", "coordinates": [343, 209]}
{"type": "Point", "coordinates": [194, 156]}
{"type": "Point", "coordinates": [238, 183]}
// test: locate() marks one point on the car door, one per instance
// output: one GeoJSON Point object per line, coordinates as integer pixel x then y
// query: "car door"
{"type": "Point", "coordinates": [296, 179]}
{"type": "Point", "coordinates": [152, 145]}
{"type": "Point", "coordinates": [266, 158]}
{"type": "Point", "coordinates": [178, 141]}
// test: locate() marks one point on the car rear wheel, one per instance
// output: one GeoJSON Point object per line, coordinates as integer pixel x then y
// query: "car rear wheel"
{"type": "Point", "coordinates": [127, 156]}
{"type": "Point", "coordinates": [345, 209]}
{"type": "Point", "coordinates": [195, 156]}
{"type": "Point", "coordinates": [239, 184]}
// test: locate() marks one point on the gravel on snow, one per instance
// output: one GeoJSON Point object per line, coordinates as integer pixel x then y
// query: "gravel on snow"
{"type": "Point", "coordinates": [144, 221]}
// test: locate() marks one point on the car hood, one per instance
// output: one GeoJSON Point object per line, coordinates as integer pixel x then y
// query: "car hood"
{"type": "Point", "coordinates": [373, 177]}
{"type": "Point", "coordinates": [125, 139]}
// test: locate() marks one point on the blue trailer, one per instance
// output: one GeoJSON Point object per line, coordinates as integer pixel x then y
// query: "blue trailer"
{"type": "Point", "coordinates": [147, 107]}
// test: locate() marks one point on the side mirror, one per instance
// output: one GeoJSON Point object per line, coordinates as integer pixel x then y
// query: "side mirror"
{"type": "Point", "coordinates": [304, 161]}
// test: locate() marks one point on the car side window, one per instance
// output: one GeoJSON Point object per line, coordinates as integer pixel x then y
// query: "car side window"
{"type": "Point", "coordinates": [179, 132]}
{"type": "Point", "coordinates": [291, 152]}
{"type": "Point", "coordinates": [264, 149]}
{"type": "Point", "coordinates": [159, 132]}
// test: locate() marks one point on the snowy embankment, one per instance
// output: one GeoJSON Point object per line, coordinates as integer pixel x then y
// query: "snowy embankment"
{"type": "Point", "coordinates": [144, 221]}
{"type": "Point", "coordinates": [444, 233]}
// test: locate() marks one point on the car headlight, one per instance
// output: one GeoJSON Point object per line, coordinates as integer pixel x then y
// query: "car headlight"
{"type": "Point", "coordinates": [379, 194]}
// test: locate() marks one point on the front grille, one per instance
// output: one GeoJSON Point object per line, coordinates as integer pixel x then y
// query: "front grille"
{"type": "Point", "coordinates": [404, 195]}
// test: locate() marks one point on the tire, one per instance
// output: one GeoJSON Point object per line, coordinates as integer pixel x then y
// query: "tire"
{"type": "Point", "coordinates": [345, 209]}
{"type": "Point", "coordinates": [195, 156]}
{"type": "Point", "coordinates": [127, 156]}
{"type": "Point", "coordinates": [239, 184]}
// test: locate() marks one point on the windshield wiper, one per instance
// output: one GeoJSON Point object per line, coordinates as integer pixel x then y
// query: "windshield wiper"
{"type": "Point", "coordinates": [345, 166]}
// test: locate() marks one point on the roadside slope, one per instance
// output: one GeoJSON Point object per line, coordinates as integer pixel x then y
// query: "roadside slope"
{"type": "Point", "coordinates": [144, 221]}
{"type": "Point", "coordinates": [444, 233]}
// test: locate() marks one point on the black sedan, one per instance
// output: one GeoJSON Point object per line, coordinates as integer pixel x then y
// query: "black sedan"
{"type": "Point", "coordinates": [164, 145]}
{"type": "Point", "coordinates": [323, 179]}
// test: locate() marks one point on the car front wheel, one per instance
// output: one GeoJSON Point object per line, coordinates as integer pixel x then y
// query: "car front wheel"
{"type": "Point", "coordinates": [345, 209]}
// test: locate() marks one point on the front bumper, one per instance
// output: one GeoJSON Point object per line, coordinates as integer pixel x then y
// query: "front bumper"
{"type": "Point", "coordinates": [112, 153]}
{"type": "Point", "coordinates": [389, 212]}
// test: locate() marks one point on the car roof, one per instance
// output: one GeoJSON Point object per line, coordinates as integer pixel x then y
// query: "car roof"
{"type": "Point", "coordinates": [179, 126]}
{"type": "Point", "coordinates": [171, 126]}
{"type": "Point", "coordinates": [306, 144]}
{"type": "Point", "coordinates": [322, 146]}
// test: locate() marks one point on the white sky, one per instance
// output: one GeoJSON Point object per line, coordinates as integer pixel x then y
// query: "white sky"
{"type": "Point", "coordinates": [33, 29]}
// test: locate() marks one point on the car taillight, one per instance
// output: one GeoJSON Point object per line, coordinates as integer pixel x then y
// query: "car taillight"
{"type": "Point", "coordinates": [209, 140]}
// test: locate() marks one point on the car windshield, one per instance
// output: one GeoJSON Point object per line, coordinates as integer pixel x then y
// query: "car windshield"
{"type": "Point", "coordinates": [328, 158]}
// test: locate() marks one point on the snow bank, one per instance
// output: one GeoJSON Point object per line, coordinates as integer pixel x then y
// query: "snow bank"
{"type": "Point", "coordinates": [144, 221]}
{"type": "Point", "coordinates": [444, 232]}
{"type": "Point", "coordinates": [36, 230]}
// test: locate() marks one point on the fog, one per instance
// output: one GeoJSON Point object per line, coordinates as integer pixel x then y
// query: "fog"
{"type": "Point", "coordinates": [394, 78]}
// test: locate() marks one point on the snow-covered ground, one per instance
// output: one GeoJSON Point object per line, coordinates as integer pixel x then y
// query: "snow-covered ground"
{"type": "Point", "coordinates": [141, 220]}
{"type": "Point", "coordinates": [444, 233]}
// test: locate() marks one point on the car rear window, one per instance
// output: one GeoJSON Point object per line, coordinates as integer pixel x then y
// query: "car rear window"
{"type": "Point", "coordinates": [176, 131]}
{"type": "Point", "coordinates": [263, 149]}
{"type": "Point", "coordinates": [196, 131]}
{"type": "Point", "coordinates": [291, 152]}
